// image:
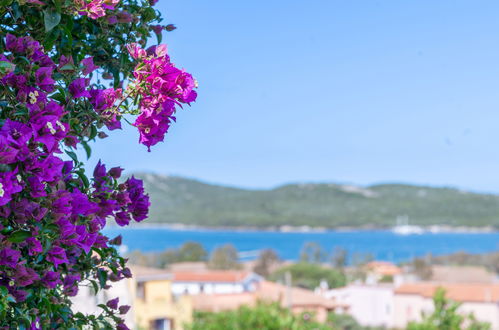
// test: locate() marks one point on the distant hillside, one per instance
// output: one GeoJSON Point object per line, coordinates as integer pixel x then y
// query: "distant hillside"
{"type": "Point", "coordinates": [180, 200]}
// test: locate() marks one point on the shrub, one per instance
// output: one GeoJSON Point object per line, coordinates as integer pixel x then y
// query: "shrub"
{"type": "Point", "coordinates": [70, 70]}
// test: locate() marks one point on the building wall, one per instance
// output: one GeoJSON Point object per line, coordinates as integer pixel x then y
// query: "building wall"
{"type": "Point", "coordinates": [410, 308]}
{"type": "Point", "coordinates": [369, 305]}
{"type": "Point", "coordinates": [86, 301]}
{"type": "Point", "coordinates": [180, 288]}
{"type": "Point", "coordinates": [486, 312]}
{"type": "Point", "coordinates": [154, 301]}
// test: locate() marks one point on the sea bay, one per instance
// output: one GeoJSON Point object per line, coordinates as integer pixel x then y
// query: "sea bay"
{"type": "Point", "coordinates": [382, 244]}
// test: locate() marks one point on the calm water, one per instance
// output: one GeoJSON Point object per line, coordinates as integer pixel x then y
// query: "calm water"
{"type": "Point", "coordinates": [384, 245]}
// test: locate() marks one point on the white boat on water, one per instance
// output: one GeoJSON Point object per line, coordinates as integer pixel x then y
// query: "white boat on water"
{"type": "Point", "coordinates": [404, 228]}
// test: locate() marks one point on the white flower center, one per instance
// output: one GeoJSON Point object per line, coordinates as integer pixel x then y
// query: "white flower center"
{"type": "Point", "coordinates": [2, 192]}
{"type": "Point", "coordinates": [33, 97]}
{"type": "Point", "coordinates": [51, 128]}
{"type": "Point", "coordinates": [147, 130]}
{"type": "Point", "coordinates": [61, 126]}
{"type": "Point", "coordinates": [19, 178]}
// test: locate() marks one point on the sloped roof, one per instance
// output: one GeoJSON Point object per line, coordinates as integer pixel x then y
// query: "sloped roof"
{"type": "Point", "coordinates": [462, 274]}
{"type": "Point", "coordinates": [297, 296]}
{"type": "Point", "coordinates": [462, 292]}
{"type": "Point", "coordinates": [384, 268]}
{"type": "Point", "coordinates": [141, 273]}
{"type": "Point", "coordinates": [211, 276]}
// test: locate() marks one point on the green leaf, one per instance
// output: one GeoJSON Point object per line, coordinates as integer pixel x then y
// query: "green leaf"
{"type": "Point", "coordinates": [6, 67]}
{"type": "Point", "coordinates": [72, 155]}
{"type": "Point", "coordinates": [87, 148]}
{"type": "Point", "coordinates": [102, 275]}
{"type": "Point", "coordinates": [52, 18]}
{"type": "Point", "coordinates": [4, 292]}
{"type": "Point", "coordinates": [19, 236]}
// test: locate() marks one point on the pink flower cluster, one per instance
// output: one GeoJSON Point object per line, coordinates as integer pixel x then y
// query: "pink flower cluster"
{"type": "Point", "coordinates": [48, 212]}
{"type": "Point", "coordinates": [95, 8]}
{"type": "Point", "coordinates": [161, 86]}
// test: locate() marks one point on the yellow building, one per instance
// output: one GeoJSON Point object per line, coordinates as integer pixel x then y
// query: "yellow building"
{"type": "Point", "coordinates": [153, 305]}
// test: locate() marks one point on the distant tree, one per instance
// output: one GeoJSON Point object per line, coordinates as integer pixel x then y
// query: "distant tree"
{"type": "Point", "coordinates": [224, 257]}
{"type": "Point", "coordinates": [422, 268]}
{"type": "Point", "coordinates": [136, 257]}
{"type": "Point", "coordinates": [265, 261]}
{"type": "Point", "coordinates": [360, 259]}
{"type": "Point", "coordinates": [339, 257]}
{"type": "Point", "coordinates": [345, 322]}
{"type": "Point", "coordinates": [164, 258]}
{"type": "Point", "coordinates": [263, 316]}
{"type": "Point", "coordinates": [446, 317]}
{"type": "Point", "coordinates": [192, 251]}
{"type": "Point", "coordinates": [309, 276]}
{"type": "Point", "coordinates": [312, 252]}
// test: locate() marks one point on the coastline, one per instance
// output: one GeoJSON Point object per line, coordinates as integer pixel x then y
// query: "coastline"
{"type": "Point", "coordinates": [432, 229]}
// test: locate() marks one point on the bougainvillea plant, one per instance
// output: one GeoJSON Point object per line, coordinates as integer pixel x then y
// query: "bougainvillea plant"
{"type": "Point", "coordinates": [70, 71]}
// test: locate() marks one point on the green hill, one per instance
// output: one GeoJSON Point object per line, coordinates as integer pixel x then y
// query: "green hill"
{"type": "Point", "coordinates": [186, 201]}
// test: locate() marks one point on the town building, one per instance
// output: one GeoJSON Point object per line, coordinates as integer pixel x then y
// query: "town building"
{"type": "Point", "coordinates": [370, 304]}
{"type": "Point", "coordinates": [411, 300]}
{"type": "Point", "coordinates": [213, 282]}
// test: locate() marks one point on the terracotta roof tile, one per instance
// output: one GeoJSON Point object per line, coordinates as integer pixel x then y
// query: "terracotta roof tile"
{"type": "Point", "coordinates": [210, 276]}
{"type": "Point", "coordinates": [456, 291]}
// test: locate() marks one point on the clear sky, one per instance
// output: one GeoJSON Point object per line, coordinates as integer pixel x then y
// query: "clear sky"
{"type": "Point", "coordinates": [340, 91]}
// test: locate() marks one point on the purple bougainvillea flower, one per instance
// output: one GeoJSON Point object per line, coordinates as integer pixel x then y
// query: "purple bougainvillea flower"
{"type": "Point", "coordinates": [124, 309]}
{"type": "Point", "coordinates": [9, 185]}
{"type": "Point", "coordinates": [35, 325]}
{"type": "Point", "coordinates": [122, 326]}
{"type": "Point", "coordinates": [113, 303]}
{"type": "Point", "coordinates": [115, 172]}
{"type": "Point", "coordinates": [19, 295]}
{"type": "Point", "coordinates": [124, 17]}
{"type": "Point", "coordinates": [157, 28]}
{"type": "Point", "coordinates": [122, 218]}
{"type": "Point", "coordinates": [35, 247]}
{"type": "Point", "coordinates": [43, 78]}
{"type": "Point", "coordinates": [89, 66]}
{"type": "Point", "coordinates": [9, 257]}
{"type": "Point", "coordinates": [81, 205]}
{"type": "Point", "coordinates": [24, 276]}
{"type": "Point", "coordinates": [70, 284]}
{"type": "Point", "coordinates": [57, 256]}
{"type": "Point", "coordinates": [78, 88]}
{"type": "Point", "coordinates": [51, 279]}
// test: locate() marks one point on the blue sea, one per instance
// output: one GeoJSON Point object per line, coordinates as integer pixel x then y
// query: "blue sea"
{"type": "Point", "coordinates": [382, 244]}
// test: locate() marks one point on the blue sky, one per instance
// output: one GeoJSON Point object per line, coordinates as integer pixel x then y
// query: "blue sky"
{"type": "Point", "coordinates": [339, 91]}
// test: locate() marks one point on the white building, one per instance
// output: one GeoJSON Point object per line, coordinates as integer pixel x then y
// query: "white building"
{"type": "Point", "coordinates": [87, 302]}
{"type": "Point", "coordinates": [411, 300]}
{"type": "Point", "coordinates": [214, 282]}
{"type": "Point", "coordinates": [370, 305]}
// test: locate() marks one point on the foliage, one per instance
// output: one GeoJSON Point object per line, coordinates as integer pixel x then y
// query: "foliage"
{"type": "Point", "coordinates": [189, 251]}
{"type": "Point", "coordinates": [346, 322]}
{"type": "Point", "coordinates": [312, 252]}
{"type": "Point", "coordinates": [224, 257]}
{"type": "Point", "coordinates": [265, 261]}
{"type": "Point", "coordinates": [422, 268]}
{"type": "Point", "coordinates": [263, 317]}
{"type": "Point", "coordinates": [180, 200]}
{"type": "Point", "coordinates": [446, 317]}
{"type": "Point", "coordinates": [66, 79]}
{"type": "Point", "coordinates": [309, 276]}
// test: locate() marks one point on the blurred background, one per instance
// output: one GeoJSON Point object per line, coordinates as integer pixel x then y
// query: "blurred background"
{"type": "Point", "coordinates": [340, 161]}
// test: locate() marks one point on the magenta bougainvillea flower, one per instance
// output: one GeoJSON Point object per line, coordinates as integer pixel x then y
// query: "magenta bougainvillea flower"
{"type": "Point", "coordinates": [58, 94]}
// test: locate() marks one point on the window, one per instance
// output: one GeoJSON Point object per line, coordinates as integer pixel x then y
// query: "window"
{"type": "Point", "coordinates": [162, 324]}
{"type": "Point", "coordinates": [141, 290]}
